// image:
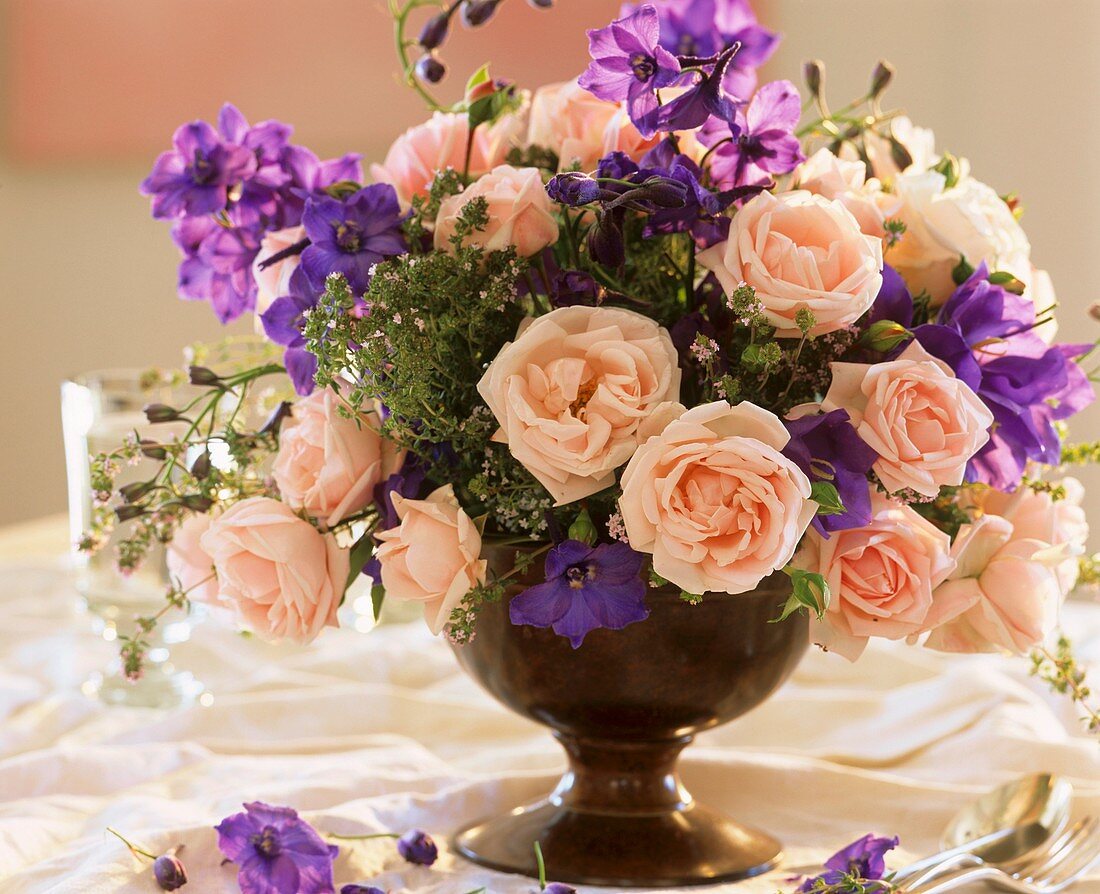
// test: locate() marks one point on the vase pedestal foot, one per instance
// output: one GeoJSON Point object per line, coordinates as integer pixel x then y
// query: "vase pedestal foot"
{"type": "Point", "coordinates": [693, 846]}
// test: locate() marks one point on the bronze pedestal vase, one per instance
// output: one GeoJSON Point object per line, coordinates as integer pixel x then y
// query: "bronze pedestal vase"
{"type": "Point", "coordinates": [623, 706]}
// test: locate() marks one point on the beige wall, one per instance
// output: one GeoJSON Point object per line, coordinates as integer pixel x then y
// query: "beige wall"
{"type": "Point", "coordinates": [87, 279]}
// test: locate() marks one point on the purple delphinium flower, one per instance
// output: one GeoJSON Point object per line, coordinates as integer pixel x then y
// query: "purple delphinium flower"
{"type": "Point", "coordinates": [629, 64]}
{"type": "Point", "coordinates": [350, 236]}
{"type": "Point", "coordinates": [195, 176]}
{"type": "Point", "coordinates": [276, 852]}
{"type": "Point", "coordinates": [586, 587]}
{"type": "Point", "coordinates": [759, 140]}
{"type": "Point", "coordinates": [418, 847]}
{"type": "Point", "coordinates": [986, 334]}
{"type": "Point", "coordinates": [827, 448]}
{"type": "Point", "coordinates": [706, 99]}
{"type": "Point", "coordinates": [256, 203]}
{"type": "Point", "coordinates": [894, 301]}
{"type": "Point", "coordinates": [309, 176]}
{"type": "Point", "coordinates": [282, 323]}
{"type": "Point", "coordinates": [862, 859]}
{"type": "Point", "coordinates": [703, 28]}
{"type": "Point", "coordinates": [217, 265]}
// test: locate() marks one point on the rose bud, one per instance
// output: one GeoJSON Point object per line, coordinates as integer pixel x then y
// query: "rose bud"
{"type": "Point", "coordinates": [417, 847]}
{"type": "Point", "coordinates": [435, 31]}
{"type": "Point", "coordinates": [200, 375]}
{"type": "Point", "coordinates": [884, 335]}
{"type": "Point", "coordinates": [169, 872]}
{"type": "Point", "coordinates": [161, 413]}
{"type": "Point", "coordinates": [430, 70]}
{"type": "Point", "coordinates": [361, 889]}
{"type": "Point", "coordinates": [478, 12]}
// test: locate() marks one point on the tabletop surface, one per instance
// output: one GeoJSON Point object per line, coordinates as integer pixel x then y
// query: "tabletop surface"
{"type": "Point", "coordinates": [380, 731]}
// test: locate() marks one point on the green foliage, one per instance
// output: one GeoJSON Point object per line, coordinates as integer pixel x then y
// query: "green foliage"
{"type": "Point", "coordinates": [827, 498]}
{"type": "Point", "coordinates": [512, 497]}
{"type": "Point", "coordinates": [809, 591]}
{"type": "Point", "coordinates": [1065, 676]}
{"type": "Point", "coordinates": [1081, 454]}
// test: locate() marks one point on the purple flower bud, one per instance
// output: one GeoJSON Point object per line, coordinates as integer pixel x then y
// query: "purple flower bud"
{"type": "Point", "coordinates": [152, 449]}
{"type": "Point", "coordinates": [573, 188]}
{"type": "Point", "coordinates": [361, 889]}
{"type": "Point", "coordinates": [161, 413]}
{"type": "Point", "coordinates": [169, 872]}
{"type": "Point", "coordinates": [541, 4]}
{"type": "Point", "coordinates": [128, 513]}
{"type": "Point", "coordinates": [275, 420]}
{"type": "Point", "coordinates": [201, 467]}
{"type": "Point", "coordinates": [135, 490]}
{"type": "Point", "coordinates": [435, 31]}
{"type": "Point", "coordinates": [200, 375]}
{"type": "Point", "coordinates": [605, 241]}
{"type": "Point", "coordinates": [417, 847]}
{"type": "Point", "coordinates": [559, 888]}
{"type": "Point", "coordinates": [430, 70]}
{"type": "Point", "coordinates": [197, 502]}
{"type": "Point", "coordinates": [478, 12]}
{"type": "Point", "coordinates": [665, 192]}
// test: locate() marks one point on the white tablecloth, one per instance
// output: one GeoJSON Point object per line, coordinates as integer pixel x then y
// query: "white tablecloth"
{"type": "Point", "coordinates": [380, 731]}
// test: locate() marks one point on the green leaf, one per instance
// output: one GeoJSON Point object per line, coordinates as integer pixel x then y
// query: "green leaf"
{"type": "Point", "coordinates": [690, 598]}
{"type": "Point", "coordinates": [360, 555]}
{"type": "Point", "coordinates": [377, 597]}
{"type": "Point", "coordinates": [827, 498]}
{"type": "Point", "coordinates": [809, 590]}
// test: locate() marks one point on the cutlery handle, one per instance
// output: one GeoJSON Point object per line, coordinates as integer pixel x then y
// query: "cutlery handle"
{"type": "Point", "coordinates": [957, 878]}
{"type": "Point", "coordinates": [926, 866]}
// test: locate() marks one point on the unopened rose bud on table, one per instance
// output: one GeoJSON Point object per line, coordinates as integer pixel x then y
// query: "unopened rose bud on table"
{"type": "Point", "coordinates": [418, 847]}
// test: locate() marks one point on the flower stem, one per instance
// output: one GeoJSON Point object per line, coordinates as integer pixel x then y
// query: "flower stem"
{"type": "Point", "coordinates": [133, 848]}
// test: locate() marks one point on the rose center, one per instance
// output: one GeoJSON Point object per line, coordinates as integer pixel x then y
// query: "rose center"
{"type": "Point", "coordinates": [644, 67]}
{"type": "Point", "coordinates": [349, 236]}
{"type": "Point", "coordinates": [266, 842]}
{"type": "Point", "coordinates": [584, 394]}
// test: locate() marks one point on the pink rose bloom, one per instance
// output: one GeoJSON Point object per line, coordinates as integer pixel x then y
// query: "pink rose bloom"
{"type": "Point", "coordinates": [416, 156]}
{"type": "Point", "coordinates": [521, 215]}
{"type": "Point", "coordinates": [280, 575]}
{"type": "Point", "coordinates": [274, 281]}
{"type": "Point", "coordinates": [880, 577]}
{"type": "Point", "coordinates": [800, 251]}
{"type": "Point", "coordinates": [572, 390]}
{"type": "Point", "coordinates": [329, 465]}
{"type": "Point", "coordinates": [571, 122]}
{"type": "Point", "coordinates": [1004, 594]}
{"type": "Point", "coordinates": [1037, 516]}
{"type": "Point", "coordinates": [432, 556]}
{"type": "Point", "coordinates": [825, 175]}
{"type": "Point", "coordinates": [714, 500]}
{"type": "Point", "coordinates": [189, 565]}
{"type": "Point", "coordinates": [924, 422]}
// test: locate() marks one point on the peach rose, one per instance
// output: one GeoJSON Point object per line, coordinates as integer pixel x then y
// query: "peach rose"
{"type": "Point", "coordinates": [420, 153]}
{"type": "Point", "coordinates": [572, 123]}
{"type": "Point", "coordinates": [880, 577]}
{"type": "Point", "coordinates": [1004, 593]}
{"type": "Point", "coordinates": [621, 135]}
{"type": "Point", "coordinates": [800, 251]}
{"type": "Point", "coordinates": [189, 565]}
{"type": "Point", "coordinates": [280, 575]}
{"type": "Point", "coordinates": [329, 465]}
{"type": "Point", "coordinates": [968, 220]}
{"type": "Point", "coordinates": [274, 281]}
{"type": "Point", "coordinates": [520, 212]}
{"type": "Point", "coordinates": [572, 390]}
{"type": "Point", "coordinates": [924, 423]}
{"type": "Point", "coordinates": [1038, 516]}
{"type": "Point", "coordinates": [714, 500]}
{"type": "Point", "coordinates": [825, 175]}
{"type": "Point", "coordinates": [432, 556]}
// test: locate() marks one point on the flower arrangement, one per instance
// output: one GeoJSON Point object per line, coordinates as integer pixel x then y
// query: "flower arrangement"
{"type": "Point", "coordinates": [658, 324]}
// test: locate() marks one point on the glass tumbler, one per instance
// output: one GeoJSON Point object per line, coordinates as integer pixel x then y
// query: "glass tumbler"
{"type": "Point", "coordinates": [99, 409]}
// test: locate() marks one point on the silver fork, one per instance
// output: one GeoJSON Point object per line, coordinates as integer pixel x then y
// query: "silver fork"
{"type": "Point", "coordinates": [1055, 869]}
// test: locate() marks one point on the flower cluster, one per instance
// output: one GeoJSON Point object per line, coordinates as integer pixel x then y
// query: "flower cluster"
{"type": "Point", "coordinates": [656, 324]}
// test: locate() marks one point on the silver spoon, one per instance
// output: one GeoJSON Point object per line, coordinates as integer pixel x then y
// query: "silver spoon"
{"type": "Point", "coordinates": [1003, 826]}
